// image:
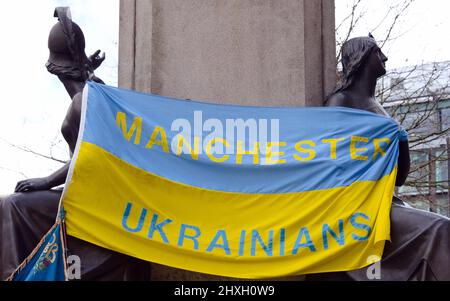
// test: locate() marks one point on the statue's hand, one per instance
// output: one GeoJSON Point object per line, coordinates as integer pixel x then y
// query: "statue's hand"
{"type": "Point", "coordinates": [96, 60]}
{"type": "Point", "coordinates": [32, 185]}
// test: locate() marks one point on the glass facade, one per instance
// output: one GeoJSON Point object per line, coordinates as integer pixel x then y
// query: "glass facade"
{"type": "Point", "coordinates": [427, 186]}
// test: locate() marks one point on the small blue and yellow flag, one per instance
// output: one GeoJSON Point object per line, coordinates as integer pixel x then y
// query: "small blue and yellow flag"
{"type": "Point", "coordinates": [246, 192]}
{"type": "Point", "coordinates": [48, 261]}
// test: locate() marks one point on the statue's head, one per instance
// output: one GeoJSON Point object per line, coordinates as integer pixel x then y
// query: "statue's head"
{"type": "Point", "coordinates": [359, 53]}
{"type": "Point", "coordinates": [66, 44]}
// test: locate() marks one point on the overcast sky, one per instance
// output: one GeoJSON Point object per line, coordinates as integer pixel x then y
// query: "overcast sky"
{"type": "Point", "coordinates": [422, 35]}
{"type": "Point", "coordinates": [33, 102]}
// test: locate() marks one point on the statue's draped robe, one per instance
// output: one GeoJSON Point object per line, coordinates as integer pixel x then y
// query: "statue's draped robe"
{"type": "Point", "coordinates": [24, 220]}
{"type": "Point", "coordinates": [419, 249]}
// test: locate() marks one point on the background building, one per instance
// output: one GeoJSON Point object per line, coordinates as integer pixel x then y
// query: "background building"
{"type": "Point", "coordinates": [419, 98]}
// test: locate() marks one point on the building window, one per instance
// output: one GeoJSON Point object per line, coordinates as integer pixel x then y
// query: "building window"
{"type": "Point", "coordinates": [417, 182]}
{"type": "Point", "coordinates": [445, 119]}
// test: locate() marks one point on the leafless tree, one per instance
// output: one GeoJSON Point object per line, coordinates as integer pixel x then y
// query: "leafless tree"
{"type": "Point", "coordinates": [36, 153]}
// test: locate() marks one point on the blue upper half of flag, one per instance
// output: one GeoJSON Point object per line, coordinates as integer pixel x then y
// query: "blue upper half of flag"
{"type": "Point", "coordinates": [316, 148]}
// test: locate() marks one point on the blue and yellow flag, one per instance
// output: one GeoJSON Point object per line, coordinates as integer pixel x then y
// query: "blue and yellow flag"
{"type": "Point", "coordinates": [246, 192]}
{"type": "Point", "coordinates": [47, 262]}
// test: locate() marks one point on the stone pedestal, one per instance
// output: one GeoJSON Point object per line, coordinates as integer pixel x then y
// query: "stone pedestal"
{"type": "Point", "coordinates": [248, 52]}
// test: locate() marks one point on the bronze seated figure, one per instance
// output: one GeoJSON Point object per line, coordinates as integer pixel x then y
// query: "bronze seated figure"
{"type": "Point", "coordinates": [29, 213]}
{"type": "Point", "coordinates": [420, 241]}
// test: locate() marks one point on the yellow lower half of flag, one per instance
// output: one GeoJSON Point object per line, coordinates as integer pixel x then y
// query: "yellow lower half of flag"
{"type": "Point", "coordinates": [115, 205]}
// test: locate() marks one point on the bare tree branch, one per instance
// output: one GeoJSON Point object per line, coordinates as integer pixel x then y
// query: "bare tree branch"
{"type": "Point", "coordinates": [399, 14]}
{"type": "Point", "coordinates": [28, 150]}
{"type": "Point", "coordinates": [14, 171]}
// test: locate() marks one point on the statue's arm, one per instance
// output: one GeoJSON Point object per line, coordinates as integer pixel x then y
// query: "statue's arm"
{"type": "Point", "coordinates": [58, 177]}
{"type": "Point", "coordinates": [55, 179]}
{"type": "Point", "coordinates": [404, 162]}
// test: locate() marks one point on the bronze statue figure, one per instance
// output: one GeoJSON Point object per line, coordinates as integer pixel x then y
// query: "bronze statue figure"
{"type": "Point", "coordinates": [420, 241]}
{"type": "Point", "coordinates": [69, 62]}
{"type": "Point", "coordinates": [29, 213]}
{"type": "Point", "coordinates": [364, 63]}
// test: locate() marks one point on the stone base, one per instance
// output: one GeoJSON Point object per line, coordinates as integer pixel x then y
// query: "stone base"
{"type": "Point", "coordinates": [161, 272]}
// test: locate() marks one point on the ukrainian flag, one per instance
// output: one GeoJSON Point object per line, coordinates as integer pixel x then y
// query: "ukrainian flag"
{"type": "Point", "coordinates": [246, 192]}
